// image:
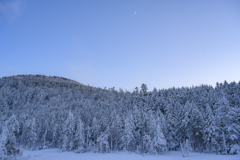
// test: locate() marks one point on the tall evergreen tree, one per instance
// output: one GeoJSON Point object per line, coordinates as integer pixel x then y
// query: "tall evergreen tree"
{"type": "Point", "coordinates": [79, 140]}
{"type": "Point", "coordinates": [68, 130]}
{"type": "Point", "coordinates": [8, 138]}
{"type": "Point", "coordinates": [128, 138]}
{"type": "Point", "coordinates": [210, 131]}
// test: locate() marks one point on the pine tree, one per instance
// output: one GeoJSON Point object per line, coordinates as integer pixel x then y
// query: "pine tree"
{"type": "Point", "coordinates": [32, 133]}
{"type": "Point", "coordinates": [43, 141]}
{"type": "Point", "coordinates": [210, 130]}
{"type": "Point", "coordinates": [171, 125]}
{"type": "Point", "coordinates": [184, 128]}
{"type": "Point", "coordinates": [138, 123]}
{"type": "Point", "coordinates": [159, 140]}
{"type": "Point", "coordinates": [103, 145]}
{"type": "Point", "coordinates": [8, 139]}
{"type": "Point", "coordinates": [117, 130]}
{"type": "Point", "coordinates": [68, 131]}
{"type": "Point", "coordinates": [196, 128]}
{"type": "Point", "coordinates": [88, 135]}
{"type": "Point", "coordinates": [128, 139]}
{"type": "Point", "coordinates": [80, 138]}
{"type": "Point", "coordinates": [95, 129]}
{"type": "Point", "coordinates": [147, 144]}
{"type": "Point", "coordinates": [226, 122]}
{"type": "Point", "coordinates": [56, 135]}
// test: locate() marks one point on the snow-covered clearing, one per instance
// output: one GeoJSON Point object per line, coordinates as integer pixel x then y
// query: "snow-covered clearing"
{"type": "Point", "coordinates": [50, 154]}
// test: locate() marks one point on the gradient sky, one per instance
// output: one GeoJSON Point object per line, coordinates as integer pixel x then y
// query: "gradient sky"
{"type": "Point", "coordinates": [124, 43]}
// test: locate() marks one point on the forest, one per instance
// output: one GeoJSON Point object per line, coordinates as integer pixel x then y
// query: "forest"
{"type": "Point", "coordinates": [40, 112]}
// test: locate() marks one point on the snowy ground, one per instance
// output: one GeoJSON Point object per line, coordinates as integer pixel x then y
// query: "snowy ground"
{"type": "Point", "coordinates": [52, 154]}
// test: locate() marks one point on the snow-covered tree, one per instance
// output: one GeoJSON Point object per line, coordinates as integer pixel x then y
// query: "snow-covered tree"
{"type": "Point", "coordinates": [210, 130]}
{"type": "Point", "coordinates": [79, 137]}
{"type": "Point", "coordinates": [32, 136]}
{"type": "Point", "coordinates": [95, 129]}
{"type": "Point", "coordinates": [68, 131]}
{"type": "Point", "coordinates": [56, 135]}
{"type": "Point", "coordinates": [160, 143]}
{"type": "Point", "coordinates": [128, 139]}
{"type": "Point", "coordinates": [8, 138]}
{"type": "Point", "coordinates": [88, 136]}
{"type": "Point", "coordinates": [229, 129]}
{"type": "Point", "coordinates": [103, 145]}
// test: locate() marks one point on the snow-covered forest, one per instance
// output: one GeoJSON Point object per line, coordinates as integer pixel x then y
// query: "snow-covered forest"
{"type": "Point", "coordinates": [39, 112]}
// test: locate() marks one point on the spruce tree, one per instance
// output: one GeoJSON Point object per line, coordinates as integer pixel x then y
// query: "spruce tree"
{"type": "Point", "coordinates": [128, 139]}
{"type": "Point", "coordinates": [210, 131]}
{"type": "Point", "coordinates": [8, 138]}
{"type": "Point", "coordinates": [79, 140]}
{"type": "Point", "coordinates": [68, 130]}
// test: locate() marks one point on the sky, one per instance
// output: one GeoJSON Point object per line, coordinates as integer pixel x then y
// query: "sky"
{"type": "Point", "coordinates": [122, 43]}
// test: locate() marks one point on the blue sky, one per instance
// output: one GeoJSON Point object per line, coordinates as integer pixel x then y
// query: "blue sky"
{"type": "Point", "coordinates": [125, 43]}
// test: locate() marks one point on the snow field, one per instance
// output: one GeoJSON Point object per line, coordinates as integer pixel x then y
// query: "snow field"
{"type": "Point", "coordinates": [56, 154]}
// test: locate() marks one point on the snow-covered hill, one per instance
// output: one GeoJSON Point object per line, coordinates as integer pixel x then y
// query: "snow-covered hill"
{"type": "Point", "coordinates": [47, 112]}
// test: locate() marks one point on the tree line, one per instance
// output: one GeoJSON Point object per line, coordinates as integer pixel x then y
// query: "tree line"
{"type": "Point", "coordinates": [39, 112]}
